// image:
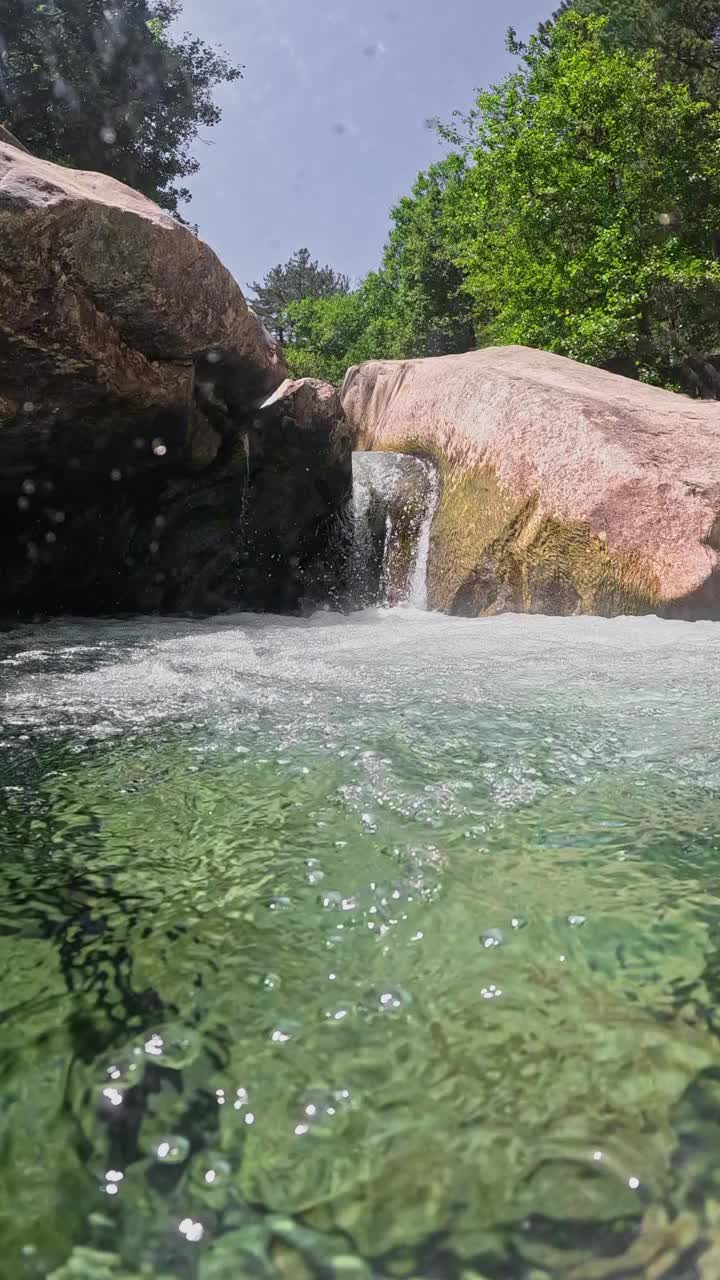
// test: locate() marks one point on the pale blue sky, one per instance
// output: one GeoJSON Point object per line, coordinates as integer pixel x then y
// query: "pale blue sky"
{"type": "Point", "coordinates": [327, 129]}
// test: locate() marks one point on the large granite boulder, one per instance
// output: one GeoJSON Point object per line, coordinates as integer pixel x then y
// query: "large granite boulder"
{"type": "Point", "coordinates": [564, 489]}
{"type": "Point", "coordinates": [132, 375]}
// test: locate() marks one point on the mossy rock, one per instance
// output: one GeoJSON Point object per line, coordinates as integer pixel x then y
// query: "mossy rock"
{"type": "Point", "coordinates": [492, 553]}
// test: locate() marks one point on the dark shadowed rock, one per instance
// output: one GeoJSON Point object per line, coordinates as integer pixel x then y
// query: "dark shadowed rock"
{"type": "Point", "coordinates": [565, 489]}
{"type": "Point", "coordinates": [133, 444]}
{"type": "Point", "coordinates": [300, 475]}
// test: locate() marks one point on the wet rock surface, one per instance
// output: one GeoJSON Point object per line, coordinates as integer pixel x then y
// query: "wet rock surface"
{"type": "Point", "coordinates": [135, 449]}
{"type": "Point", "coordinates": [565, 489]}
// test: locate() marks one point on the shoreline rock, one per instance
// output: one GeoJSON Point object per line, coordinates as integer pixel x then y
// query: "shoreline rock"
{"type": "Point", "coordinates": [565, 489]}
{"type": "Point", "coordinates": [133, 382]}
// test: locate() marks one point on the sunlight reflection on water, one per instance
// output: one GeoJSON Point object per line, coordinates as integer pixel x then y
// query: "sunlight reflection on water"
{"type": "Point", "coordinates": [376, 942]}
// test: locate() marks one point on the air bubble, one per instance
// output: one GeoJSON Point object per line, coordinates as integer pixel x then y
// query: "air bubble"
{"type": "Point", "coordinates": [387, 999]}
{"type": "Point", "coordinates": [314, 873]}
{"type": "Point", "coordinates": [285, 1031]}
{"type": "Point", "coordinates": [171, 1150]}
{"type": "Point", "coordinates": [492, 938]}
{"type": "Point", "coordinates": [172, 1046]}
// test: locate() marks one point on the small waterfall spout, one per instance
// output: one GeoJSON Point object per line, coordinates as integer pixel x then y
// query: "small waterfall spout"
{"type": "Point", "coordinates": [418, 594]}
{"type": "Point", "coordinates": [394, 500]}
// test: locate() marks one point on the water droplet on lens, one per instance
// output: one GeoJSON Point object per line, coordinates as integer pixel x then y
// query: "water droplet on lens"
{"type": "Point", "coordinates": [173, 1149]}
{"type": "Point", "coordinates": [492, 938]}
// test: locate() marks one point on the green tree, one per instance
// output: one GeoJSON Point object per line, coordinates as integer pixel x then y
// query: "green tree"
{"type": "Point", "coordinates": [330, 334]}
{"type": "Point", "coordinates": [109, 86]}
{"type": "Point", "coordinates": [585, 223]}
{"type": "Point", "coordinates": [432, 314]}
{"type": "Point", "coordinates": [293, 281]}
{"type": "Point", "coordinates": [683, 33]}
{"type": "Point", "coordinates": [413, 306]}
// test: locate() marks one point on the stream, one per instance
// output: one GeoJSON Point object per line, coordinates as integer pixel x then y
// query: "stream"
{"type": "Point", "coordinates": [371, 945]}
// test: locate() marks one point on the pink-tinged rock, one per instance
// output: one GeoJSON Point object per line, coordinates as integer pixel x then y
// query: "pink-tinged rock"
{"type": "Point", "coordinates": [565, 488]}
{"type": "Point", "coordinates": [101, 292]}
{"type": "Point", "coordinates": [74, 241]}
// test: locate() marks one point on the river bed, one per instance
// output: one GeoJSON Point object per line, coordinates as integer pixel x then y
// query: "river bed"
{"type": "Point", "coordinates": [379, 945]}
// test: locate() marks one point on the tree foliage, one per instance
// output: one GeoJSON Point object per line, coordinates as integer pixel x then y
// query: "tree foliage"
{"type": "Point", "coordinates": [413, 306]}
{"type": "Point", "coordinates": [685, 35]}
{"type": "Point", "coordinates": [293, 281]}
{"type": "Point", "coordinates": [431, 313]}
{"type": "Point", "coordinates": [111, 87]}
{"type": "Point", "coordinates": [586, 219]}
{"type": "Point", "coordinates": [331, 334]}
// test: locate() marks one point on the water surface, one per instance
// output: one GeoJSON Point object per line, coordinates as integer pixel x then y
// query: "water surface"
{"type": "Point", "coordinates": [378, 945]}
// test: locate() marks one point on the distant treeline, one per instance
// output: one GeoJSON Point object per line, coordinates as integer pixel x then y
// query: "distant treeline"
{"type": "Point", "coordinates": [577, 209]}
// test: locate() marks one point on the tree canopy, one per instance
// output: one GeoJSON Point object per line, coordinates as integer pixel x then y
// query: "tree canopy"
{"type": "Point", "coordinates": [431, 315]}
{"type": "Point", "coordinates": [578, 211]}
{"type": "Point", "coordinates": [685, 35]}
{"type": "Point", "coordinates": [293, 281]}
{"type": "Point", "coordinates": [586, 221]}
{"type": "Point", "coordinates": [110, 87]}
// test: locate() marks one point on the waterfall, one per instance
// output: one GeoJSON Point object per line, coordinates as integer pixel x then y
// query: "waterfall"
{"type": "Point", "coordinates": [418, 594]}
{"type": "Point", "coordinates": [394, 501]}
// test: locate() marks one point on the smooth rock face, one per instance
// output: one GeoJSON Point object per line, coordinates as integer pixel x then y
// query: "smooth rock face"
{"type": "Point", "coordinates": [565, 489]}
{"type": "Point", "coordinates": [132, 372]}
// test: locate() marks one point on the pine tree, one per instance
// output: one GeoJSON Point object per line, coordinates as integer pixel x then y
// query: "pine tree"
{"type": "Point", "coordinates": [291, 282]}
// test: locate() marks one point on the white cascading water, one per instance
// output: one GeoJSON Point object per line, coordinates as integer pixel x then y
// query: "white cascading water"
{"type": "Point", "coordinates": [394, 495]}
{"type": "Point", "coordinates": [418, 594]}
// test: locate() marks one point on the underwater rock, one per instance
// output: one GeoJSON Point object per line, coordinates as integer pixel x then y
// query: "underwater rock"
{"type": "Point", "coordinates": [564, 489]}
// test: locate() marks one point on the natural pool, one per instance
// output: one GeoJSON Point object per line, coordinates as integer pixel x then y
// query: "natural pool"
{"type": "Point", "coordinates": [385, 944]}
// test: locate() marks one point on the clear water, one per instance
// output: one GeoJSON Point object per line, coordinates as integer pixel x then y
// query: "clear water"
{"type": "Point", "coordinates": [378, 945]}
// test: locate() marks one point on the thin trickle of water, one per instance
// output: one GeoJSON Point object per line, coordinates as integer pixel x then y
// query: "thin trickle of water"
{"type": "Point", "coordinates": [418, 594]}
